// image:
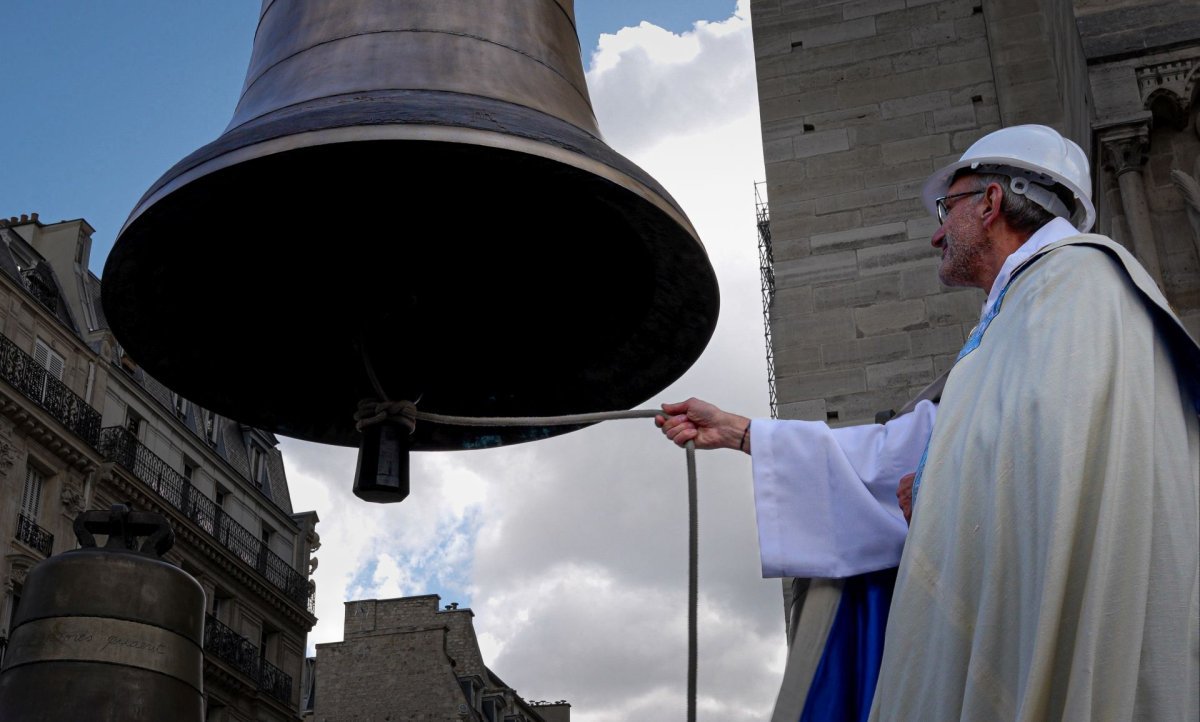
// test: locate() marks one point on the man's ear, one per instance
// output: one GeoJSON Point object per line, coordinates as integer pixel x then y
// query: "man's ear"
{"type": "Point", "coordinates": [993, 199]}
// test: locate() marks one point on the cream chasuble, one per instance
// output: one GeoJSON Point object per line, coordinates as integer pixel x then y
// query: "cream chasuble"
{"type": "Point", "coordinates": [1052, 570]}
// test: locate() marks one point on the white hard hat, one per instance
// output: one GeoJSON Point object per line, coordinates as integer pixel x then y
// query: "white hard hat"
{"type": "Point", "coordinates": [1036, 158]}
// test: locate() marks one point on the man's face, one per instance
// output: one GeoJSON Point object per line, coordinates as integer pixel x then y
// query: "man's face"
{"type": "Point", "coordinates": [965, 247]}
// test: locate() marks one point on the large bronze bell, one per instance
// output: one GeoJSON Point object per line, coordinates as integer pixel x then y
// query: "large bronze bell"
{"type": "Point", "coordinates": [421, 183]}
{"type": "Point", "coordinates": [107, 634]}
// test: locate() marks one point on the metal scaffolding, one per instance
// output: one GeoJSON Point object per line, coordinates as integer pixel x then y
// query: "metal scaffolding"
{"type": "Point", "coordinates": [766, 268]}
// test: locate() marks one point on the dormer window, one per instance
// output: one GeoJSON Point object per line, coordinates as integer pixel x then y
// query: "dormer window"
{"type": "Point", "coordinates": [45, 294]}
{"type": "Point", "coordinates": [180, 405]}
{"type": "Point", "coordinates": [472, 687]}
{"type": "Point", "coordinates": [493, 708]}
{"type": "Point", "coordinates": [212, 424]}
{"type": "Point", "coordinates": [258, 465]}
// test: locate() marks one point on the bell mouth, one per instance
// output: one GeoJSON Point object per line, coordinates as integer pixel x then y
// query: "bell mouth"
{"type": "Point", "coordinates": [484, 273]}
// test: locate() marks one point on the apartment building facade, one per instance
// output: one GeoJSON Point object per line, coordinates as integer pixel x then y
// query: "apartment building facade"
{"type": "Point", "coordinates": [83, 427]}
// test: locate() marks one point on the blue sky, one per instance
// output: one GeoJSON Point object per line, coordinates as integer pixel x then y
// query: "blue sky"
{"type": "Point", "coordinates": [102, 97]}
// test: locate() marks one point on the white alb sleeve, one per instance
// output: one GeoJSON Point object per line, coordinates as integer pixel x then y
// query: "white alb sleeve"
{"type": "Point", "coordinates": [826, 498]}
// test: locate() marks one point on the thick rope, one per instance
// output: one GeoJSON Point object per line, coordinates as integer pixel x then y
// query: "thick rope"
{"type": "Point", "coordinates": [693, 577]}
{"type": "Point", "coordinates": [372, 411]}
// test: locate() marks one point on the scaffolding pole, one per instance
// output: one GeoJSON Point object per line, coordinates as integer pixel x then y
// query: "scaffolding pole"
{"type": "Point", "coordinates": [766, 268]}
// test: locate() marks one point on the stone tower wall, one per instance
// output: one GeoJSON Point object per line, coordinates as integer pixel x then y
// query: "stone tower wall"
{"type": "Point", "coordinates": [860, 101]}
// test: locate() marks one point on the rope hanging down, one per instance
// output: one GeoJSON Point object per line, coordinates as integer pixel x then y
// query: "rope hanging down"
{"type": "Point", "coordinates": [405, 413]}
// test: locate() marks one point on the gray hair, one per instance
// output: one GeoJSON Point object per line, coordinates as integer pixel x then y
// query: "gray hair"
{"type": "Point", "coordinates": [1021, 213]}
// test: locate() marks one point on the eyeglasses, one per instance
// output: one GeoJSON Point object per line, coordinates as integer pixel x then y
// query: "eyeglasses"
{"type": "Point", "coordinates": [943, 210]}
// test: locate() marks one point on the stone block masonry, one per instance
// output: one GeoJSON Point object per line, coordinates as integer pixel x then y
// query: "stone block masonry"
{"type": "Point", "coordinates": [860, 101]}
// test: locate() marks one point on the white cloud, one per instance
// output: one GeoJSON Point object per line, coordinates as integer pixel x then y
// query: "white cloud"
{"type": "Point", "coordinates": [576, 546]}
{"type": "Point", "coordinates": [647, 78]}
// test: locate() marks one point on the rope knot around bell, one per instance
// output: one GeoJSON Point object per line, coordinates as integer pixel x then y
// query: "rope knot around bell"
{"type": "Point", "coordinates": [374, 411]}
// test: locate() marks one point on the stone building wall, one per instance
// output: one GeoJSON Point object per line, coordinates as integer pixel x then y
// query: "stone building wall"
{"type": "Point", "coordinates": [407, 658]}
{"type": "Point", "coordinates": [1144, 67]}
{"type": "Point", "coordinates": [860, 101]}
{"type": "Point", "coordinates": [387, 669]}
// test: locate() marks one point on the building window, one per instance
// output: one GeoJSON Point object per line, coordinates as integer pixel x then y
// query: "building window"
{"type": "Point", "coordinates": [41, 289]}
{"type": "Point", "coordinates": [31, 497]}
{"type": "Point", "coordinates": [471, 686]}
{"type": "Point", "coordinates": [220, 524]}
{"type": "Point", "coordinates": [54, 364]}
{"type": "Point", "coordinates": [189, 470]}
{"type": "Point", "coordinates": [48, 359]}
{"type": "Point", "coordinates": [492, 708]}
{"type": "Point", "coordinates": [28, 530]}
{"type": "Point", "coordinates": [17, 587]}
{"type": "Point", "coordinates": [267, 643]}
{"type": "Point", "coordinates": [133, 423]}
{"type": "Point", "coordinates": [211, 427]}
{"type": "Point", "coordinates": [180, 404]}
{"type": "Point", "coordinates": [258, 465]}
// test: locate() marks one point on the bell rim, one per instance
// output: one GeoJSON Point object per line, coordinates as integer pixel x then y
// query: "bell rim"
{"type": "Point", "coordinates": [574, 149]}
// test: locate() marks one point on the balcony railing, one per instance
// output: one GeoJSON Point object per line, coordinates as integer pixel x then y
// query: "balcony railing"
{"type": "Point", "coordinates": [34, 381]}
{"type": "Point", "coordinates": [235, 650]}
{"type": "Point", "coordinates": [117, 444]}
{"type": "Point", "coordinates": [275, 682]}
{"type": "Point", "coordinates": [33, 535]}
{"type": "Point", "coordinates": [43, 293]}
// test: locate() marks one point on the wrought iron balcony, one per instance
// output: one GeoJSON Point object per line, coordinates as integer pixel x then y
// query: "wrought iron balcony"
{"type": "Point", "coordinates": [275, 682]}
{"type": "Point", "coordinates": [42, 292]}
{"type": "Point", "coordinates": [235, 650]}
{"type": "Point", "coordinates": [230, 647]}
{"type": "Point", "coordinates": [35, 382]}
{"type": "Point", "coordinates": [33, 535]}
{"type": "Point", "coordinates": [117, 444]}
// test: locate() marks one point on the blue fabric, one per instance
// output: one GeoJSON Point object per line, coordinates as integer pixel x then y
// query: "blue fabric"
{"type": "Point", "coordinates": [972, 343]}
{"type": "Point", "coordinates": [844, 683]}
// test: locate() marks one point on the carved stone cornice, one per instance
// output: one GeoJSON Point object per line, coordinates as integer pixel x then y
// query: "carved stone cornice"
{"type": "Point", "coordinates": [1125, 147]}
{"type": "Point", "coordinates": [38, 426]}
{"type": "Point", "coordinates": [1173, 79]}
{"type": "Point", "coordinates": [238, 684]}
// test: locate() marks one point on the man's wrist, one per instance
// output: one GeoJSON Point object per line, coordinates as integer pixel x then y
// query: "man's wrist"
{"type": "Point", "coordinates": [738, 433]}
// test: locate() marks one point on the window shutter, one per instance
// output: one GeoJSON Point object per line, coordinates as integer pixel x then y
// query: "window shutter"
{"type": "Point", "coordinates": [31, 499]}
{"type": "Point", "coordinates": [56, 366]}
{"type": "Point", "coordinates": [48, 359]}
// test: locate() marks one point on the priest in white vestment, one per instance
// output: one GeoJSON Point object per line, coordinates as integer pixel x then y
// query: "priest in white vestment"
{"type": "Point", "coordinates": [1052, 567]}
